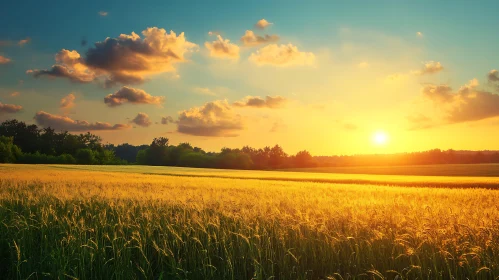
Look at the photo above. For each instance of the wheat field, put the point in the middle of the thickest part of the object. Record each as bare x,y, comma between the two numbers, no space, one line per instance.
81,223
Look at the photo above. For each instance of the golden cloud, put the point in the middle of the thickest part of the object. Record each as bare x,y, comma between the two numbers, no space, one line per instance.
67,124
142,119
430,67
250,39
9,108
222,48
258,102
467,104
133,96
215,118
167,120
67,102
127,59
282,56
262,24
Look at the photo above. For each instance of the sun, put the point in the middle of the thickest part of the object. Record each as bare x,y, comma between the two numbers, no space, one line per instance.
380,138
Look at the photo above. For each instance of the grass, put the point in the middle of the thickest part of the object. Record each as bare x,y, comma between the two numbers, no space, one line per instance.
74,222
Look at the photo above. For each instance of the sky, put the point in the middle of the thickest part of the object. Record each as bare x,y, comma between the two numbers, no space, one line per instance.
330,77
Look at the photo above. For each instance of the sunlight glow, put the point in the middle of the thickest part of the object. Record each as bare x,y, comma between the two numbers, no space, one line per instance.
380,138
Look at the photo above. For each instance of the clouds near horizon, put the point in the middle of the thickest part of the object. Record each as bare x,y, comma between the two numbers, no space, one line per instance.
465,105
9,108
64,123
258,102
133,96
214,119
142,119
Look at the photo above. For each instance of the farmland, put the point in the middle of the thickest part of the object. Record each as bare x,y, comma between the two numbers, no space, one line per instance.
131,222
473,170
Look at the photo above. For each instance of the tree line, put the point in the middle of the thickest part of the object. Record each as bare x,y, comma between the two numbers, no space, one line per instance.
27,143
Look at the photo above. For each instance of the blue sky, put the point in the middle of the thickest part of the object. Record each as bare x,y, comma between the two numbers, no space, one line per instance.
358,49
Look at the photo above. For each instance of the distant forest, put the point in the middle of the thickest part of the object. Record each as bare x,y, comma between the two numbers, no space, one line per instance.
25,143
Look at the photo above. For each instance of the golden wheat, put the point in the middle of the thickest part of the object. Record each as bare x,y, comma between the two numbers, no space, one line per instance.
87,224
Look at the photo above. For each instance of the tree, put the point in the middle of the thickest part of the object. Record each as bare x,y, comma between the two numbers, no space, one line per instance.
86,156
196,159
9,153
24,136
234,159
304,159
126,151
142,157
276,156
160,142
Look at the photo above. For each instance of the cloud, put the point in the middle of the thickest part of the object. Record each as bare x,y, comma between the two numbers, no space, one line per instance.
9,108
278,126
363,65
103,13
222,48
204,91
67,102
142,119
430,67
127,59
350,126
211,33
251,39
470,86
419,34
419,121
493,76
24,42
20,43
438,93
69,65
167,120
258,102
67,124
262,24
131,95
4,60
215,118
283,55
467,104
15,94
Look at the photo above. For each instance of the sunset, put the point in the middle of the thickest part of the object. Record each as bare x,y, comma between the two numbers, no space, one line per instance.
249,140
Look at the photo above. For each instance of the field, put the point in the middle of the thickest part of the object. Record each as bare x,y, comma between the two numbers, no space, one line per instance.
475,170
114,222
